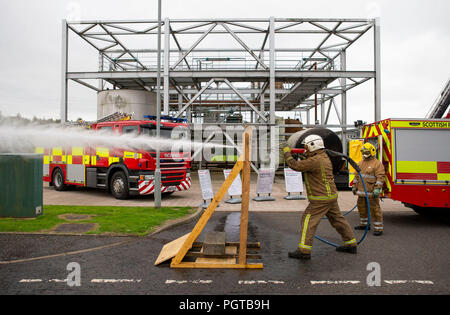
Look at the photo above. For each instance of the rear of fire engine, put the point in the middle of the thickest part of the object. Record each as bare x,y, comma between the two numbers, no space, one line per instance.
416,158
123,172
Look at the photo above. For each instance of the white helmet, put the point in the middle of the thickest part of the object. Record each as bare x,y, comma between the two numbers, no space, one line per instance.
313,143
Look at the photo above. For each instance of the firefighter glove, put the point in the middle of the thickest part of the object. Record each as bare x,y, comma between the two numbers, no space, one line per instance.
376,192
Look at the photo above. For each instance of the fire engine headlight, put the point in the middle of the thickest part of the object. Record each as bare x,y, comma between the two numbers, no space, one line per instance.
147,177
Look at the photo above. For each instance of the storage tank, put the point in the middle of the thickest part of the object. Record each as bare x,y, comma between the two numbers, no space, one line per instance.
330,139
136,102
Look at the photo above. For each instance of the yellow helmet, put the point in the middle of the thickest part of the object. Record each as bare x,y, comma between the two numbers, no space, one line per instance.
368,148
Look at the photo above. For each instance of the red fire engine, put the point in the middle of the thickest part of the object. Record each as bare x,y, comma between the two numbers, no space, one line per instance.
120,171
416,158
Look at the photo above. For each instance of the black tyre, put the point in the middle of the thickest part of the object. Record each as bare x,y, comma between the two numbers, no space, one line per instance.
58,180
119,185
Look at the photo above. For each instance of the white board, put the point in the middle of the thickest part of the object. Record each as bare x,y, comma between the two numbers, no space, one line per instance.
236,187
205,184
293,180
265,181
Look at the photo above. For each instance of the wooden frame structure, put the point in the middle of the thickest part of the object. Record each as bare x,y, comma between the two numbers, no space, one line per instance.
180,248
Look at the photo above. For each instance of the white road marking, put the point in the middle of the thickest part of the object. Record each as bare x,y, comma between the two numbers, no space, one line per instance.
260,282
57,280
409,281
336,282
116,280
188,281
30,280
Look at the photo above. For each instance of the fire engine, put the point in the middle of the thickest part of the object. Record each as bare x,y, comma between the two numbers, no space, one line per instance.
416,158
120,171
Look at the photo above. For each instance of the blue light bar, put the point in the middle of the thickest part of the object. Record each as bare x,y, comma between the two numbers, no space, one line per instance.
180,120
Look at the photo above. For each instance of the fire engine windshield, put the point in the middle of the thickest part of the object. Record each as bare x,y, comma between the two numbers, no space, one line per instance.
176,133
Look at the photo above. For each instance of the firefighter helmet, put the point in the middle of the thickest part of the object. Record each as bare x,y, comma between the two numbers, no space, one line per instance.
368,150
313,143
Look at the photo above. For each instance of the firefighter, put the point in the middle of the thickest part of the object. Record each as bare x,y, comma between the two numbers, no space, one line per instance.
372,172
322,196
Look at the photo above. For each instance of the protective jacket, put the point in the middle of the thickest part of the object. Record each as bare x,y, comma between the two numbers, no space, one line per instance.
318,174
322,194
373,173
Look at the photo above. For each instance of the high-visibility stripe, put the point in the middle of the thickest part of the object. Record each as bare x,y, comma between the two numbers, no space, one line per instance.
113,160
323,197
86,159
128,155
368,176
57,151
324,179
77,150
385,137
352,241
443,176
304,230
416,167
102,152
308,188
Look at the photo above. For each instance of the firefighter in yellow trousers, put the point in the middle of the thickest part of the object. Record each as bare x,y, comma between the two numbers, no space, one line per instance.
322,195
372,172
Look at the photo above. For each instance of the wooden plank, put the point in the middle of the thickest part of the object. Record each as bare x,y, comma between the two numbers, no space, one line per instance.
207,214
194,265
171,249
229,250
207,260
249,245
245,201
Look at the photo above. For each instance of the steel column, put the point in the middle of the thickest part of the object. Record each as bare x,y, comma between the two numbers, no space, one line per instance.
166,65
64,63
377,63
157,193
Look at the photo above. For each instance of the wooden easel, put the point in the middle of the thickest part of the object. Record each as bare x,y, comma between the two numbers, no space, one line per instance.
185,246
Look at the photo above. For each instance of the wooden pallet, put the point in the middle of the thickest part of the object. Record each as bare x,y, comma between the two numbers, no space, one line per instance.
236,254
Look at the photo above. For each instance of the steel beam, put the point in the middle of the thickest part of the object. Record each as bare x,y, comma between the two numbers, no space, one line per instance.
245,99
204,34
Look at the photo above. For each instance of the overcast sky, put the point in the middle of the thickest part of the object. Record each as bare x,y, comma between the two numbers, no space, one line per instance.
415,47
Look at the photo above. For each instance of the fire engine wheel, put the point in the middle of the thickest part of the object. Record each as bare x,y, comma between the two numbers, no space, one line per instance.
119,185
58,180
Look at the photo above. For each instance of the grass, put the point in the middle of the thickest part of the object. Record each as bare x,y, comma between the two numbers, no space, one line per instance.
111,220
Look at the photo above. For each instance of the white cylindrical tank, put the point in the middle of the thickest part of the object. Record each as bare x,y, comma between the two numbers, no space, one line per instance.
136,102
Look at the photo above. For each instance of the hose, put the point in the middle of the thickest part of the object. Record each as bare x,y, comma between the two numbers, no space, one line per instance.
356,167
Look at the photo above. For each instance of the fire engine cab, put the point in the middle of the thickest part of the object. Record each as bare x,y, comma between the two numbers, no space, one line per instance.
416,159
123,172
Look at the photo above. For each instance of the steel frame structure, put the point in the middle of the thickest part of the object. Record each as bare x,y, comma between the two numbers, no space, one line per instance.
272,77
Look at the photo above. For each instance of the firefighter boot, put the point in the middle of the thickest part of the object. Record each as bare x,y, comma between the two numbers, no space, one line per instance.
299,255
347,249
378,233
